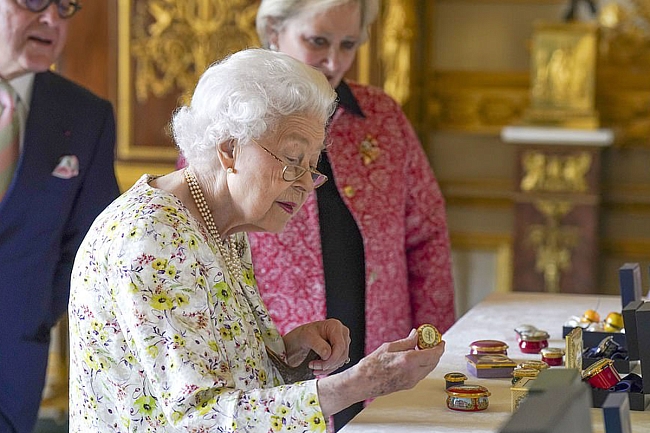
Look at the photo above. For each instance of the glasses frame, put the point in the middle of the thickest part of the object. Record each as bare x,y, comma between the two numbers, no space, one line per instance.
302,170
64,13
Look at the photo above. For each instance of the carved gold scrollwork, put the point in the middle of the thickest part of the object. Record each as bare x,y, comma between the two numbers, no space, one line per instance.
555,173
553,243
175,41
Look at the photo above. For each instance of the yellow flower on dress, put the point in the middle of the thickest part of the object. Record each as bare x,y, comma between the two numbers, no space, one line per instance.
161,419
222,291
170,271
135,232
145,404
316,423
159,264
179,340
161,301
225,333
249,276
262,375
152,350
204,406
192,242
182,300
276,423
90,360
282,410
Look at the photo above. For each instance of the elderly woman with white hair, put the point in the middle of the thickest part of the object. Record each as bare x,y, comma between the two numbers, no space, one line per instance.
168,330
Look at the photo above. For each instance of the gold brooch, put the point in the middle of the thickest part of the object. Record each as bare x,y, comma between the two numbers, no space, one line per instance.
369,149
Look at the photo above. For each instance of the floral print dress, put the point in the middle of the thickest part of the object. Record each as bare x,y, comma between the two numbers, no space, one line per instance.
162,339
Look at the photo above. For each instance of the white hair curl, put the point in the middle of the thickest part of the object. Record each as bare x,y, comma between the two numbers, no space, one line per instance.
243,96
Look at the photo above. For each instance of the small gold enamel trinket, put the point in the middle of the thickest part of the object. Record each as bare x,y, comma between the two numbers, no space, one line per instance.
428,336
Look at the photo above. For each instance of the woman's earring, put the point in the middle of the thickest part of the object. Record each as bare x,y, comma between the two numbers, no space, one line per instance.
230,170
273,47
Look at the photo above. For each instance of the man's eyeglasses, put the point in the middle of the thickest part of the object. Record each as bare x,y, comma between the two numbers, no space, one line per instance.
291,173
65,8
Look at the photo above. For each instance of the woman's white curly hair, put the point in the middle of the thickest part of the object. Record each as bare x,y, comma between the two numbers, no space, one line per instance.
243,96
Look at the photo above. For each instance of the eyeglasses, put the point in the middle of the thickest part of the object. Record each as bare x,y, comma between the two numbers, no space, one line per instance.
291,173
65,8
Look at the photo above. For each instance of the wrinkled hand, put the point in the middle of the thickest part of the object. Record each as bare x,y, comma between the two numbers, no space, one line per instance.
330,339
397,366
394,366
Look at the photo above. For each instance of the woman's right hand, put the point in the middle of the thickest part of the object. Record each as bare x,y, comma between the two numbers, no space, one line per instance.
394,366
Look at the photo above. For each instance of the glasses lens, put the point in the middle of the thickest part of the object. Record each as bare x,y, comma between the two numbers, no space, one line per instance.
318,178
293,172
34,5
67,8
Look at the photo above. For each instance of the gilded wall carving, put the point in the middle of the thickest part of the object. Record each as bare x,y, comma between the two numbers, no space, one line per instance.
485,101
398,29
175,41
163,48
553,242
555,173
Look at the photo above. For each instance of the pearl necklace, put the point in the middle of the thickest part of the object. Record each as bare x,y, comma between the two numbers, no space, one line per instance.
233,261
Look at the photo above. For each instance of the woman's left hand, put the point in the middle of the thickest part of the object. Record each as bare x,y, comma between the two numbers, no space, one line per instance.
330,339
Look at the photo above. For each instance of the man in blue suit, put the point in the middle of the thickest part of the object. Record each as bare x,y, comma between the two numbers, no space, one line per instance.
63,178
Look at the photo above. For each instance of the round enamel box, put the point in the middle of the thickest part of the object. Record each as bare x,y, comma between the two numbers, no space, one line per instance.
468,398
601,374
454,378
533,342
488,347
552,356
428,336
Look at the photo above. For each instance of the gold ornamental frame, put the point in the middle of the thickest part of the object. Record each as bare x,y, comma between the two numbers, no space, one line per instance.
163,47
126,148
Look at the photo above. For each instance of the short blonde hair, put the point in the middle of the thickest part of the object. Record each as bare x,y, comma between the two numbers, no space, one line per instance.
273,14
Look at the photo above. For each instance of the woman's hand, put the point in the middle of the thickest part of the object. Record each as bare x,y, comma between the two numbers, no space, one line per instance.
330,339
394,366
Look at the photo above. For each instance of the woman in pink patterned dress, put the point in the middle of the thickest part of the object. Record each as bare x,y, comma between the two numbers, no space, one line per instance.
370,247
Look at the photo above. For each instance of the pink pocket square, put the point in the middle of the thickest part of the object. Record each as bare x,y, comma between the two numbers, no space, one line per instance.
67,168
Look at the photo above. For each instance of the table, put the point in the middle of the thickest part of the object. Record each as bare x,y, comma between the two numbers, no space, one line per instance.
423,408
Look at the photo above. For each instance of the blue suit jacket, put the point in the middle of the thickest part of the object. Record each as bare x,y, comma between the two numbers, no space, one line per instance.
43,219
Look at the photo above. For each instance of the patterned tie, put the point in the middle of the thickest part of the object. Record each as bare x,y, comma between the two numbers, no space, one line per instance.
9,135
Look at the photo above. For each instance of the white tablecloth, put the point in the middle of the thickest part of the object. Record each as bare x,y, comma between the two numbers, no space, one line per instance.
423,408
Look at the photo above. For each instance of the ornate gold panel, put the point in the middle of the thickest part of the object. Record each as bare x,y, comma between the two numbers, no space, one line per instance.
555,173
486,101
553,242
476,102
163,47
